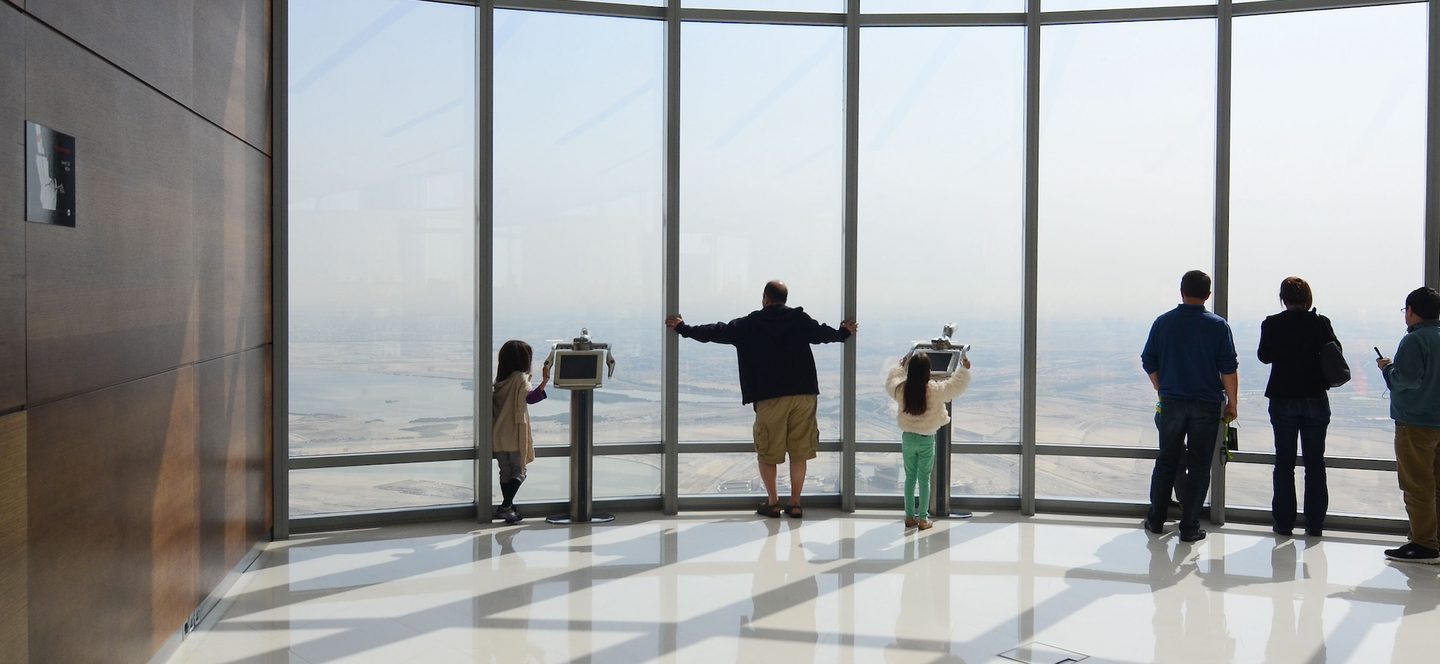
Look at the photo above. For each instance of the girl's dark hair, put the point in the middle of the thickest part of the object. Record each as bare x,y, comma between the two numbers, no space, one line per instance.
514,356
1294,290
917,377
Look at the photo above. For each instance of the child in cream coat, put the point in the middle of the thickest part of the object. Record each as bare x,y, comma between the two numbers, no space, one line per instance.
922,413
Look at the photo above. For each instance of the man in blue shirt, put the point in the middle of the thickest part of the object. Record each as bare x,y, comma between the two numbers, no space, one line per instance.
1190,357
1414,382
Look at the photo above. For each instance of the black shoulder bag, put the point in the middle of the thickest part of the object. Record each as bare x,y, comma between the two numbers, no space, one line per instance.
1333,368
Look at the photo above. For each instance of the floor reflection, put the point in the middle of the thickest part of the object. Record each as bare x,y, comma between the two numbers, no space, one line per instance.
834,587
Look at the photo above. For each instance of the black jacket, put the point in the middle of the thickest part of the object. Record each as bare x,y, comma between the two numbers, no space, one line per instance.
1291,341
773,347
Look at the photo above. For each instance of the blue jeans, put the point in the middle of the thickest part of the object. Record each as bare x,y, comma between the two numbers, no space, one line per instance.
1188,430
1306,419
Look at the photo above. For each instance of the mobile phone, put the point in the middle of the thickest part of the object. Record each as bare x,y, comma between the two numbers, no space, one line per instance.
1377,352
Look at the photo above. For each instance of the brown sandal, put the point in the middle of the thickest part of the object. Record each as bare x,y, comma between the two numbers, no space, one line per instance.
794,512
771,510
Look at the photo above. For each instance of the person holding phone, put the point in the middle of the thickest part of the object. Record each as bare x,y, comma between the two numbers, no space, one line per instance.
1414,381
1290,343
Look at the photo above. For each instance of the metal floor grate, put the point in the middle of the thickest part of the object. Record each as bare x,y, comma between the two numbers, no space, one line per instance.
1040,653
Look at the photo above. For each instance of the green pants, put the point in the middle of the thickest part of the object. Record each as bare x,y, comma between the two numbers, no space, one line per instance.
919,454
1417,456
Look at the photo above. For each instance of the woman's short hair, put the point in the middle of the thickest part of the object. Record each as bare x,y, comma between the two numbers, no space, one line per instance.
1294,290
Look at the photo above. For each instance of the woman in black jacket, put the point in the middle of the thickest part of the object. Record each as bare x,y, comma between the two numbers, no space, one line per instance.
1290,341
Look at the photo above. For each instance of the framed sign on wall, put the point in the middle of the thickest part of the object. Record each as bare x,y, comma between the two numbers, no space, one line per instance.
49,176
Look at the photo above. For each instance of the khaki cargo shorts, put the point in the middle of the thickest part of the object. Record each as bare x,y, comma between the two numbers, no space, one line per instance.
786,425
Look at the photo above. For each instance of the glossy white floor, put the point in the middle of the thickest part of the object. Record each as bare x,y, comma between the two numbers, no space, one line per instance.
723,587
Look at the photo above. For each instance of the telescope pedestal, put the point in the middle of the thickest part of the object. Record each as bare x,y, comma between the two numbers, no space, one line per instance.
940,490
582,472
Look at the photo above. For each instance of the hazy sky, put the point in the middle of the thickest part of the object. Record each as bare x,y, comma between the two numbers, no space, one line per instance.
1327,168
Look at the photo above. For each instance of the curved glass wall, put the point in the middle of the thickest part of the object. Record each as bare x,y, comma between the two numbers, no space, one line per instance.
578,177
1329,185
941,195
940,6
1327,145
760,158
381,249
768,5
1127,162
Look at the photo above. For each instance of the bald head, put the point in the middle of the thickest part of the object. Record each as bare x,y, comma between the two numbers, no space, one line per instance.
775,293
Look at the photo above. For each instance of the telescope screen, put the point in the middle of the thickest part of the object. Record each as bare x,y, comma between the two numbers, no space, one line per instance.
577,367
940,361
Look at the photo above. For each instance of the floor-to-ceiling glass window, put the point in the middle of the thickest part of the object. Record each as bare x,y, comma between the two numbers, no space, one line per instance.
1328,184
381,249
1127,136
760,199
941,191
578,174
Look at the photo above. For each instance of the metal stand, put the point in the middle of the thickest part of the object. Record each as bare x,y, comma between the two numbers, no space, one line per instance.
582,475
940,490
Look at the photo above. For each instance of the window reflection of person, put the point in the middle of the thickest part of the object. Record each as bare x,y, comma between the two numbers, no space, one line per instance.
1407,608
1188,624
513,646
1415,636
777,586
1290,639
923,621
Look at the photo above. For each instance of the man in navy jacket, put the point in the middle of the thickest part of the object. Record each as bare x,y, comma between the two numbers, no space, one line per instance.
1190,357
777,375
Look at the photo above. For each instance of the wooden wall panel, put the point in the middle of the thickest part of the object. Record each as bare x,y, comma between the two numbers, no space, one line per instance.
232,234
12,209
113,299
113,520
144,328
210,55
234,419
152,39
232,67
14,585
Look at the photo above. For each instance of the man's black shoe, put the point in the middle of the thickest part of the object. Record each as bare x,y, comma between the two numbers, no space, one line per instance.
1285,532
1414,553
1156,530
1193,537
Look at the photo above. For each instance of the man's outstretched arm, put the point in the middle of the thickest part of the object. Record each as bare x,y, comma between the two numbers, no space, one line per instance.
720,333
821,333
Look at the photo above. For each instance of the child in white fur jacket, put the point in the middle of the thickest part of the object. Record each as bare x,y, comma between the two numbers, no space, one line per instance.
922,413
